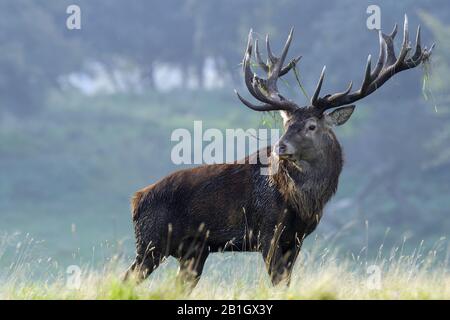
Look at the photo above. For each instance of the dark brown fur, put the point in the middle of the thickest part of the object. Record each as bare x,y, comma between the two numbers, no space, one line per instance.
211,208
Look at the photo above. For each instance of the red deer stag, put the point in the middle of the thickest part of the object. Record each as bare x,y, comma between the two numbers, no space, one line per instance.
211,208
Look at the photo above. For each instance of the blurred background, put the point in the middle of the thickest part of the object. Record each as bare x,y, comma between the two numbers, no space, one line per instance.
86,115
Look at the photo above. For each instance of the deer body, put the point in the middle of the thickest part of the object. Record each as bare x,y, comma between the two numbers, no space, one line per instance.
231,207
194,212
224,207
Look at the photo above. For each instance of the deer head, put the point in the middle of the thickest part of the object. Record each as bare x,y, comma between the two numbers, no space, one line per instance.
308,129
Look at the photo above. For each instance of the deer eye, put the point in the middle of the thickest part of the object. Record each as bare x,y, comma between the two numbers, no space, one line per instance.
312,127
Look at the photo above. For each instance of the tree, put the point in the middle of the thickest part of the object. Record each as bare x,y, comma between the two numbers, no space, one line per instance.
34,52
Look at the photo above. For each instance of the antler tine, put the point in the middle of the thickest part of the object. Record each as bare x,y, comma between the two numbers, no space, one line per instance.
289,66
431,48
342,94
270,56
315,98
387,66
249,75
418,50
405,44
248,50
390,53
259,59
279,64
389,45
381,57
394,31
264,107
367,75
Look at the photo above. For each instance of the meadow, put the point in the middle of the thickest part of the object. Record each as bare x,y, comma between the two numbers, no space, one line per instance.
78,162
320,273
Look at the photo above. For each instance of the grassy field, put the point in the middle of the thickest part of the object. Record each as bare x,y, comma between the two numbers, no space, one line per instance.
318,274
79,161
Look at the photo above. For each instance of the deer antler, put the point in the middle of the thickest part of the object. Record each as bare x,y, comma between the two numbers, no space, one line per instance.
266,90
387,66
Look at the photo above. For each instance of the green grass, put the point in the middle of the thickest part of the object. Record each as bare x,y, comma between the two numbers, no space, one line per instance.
318,274
329,282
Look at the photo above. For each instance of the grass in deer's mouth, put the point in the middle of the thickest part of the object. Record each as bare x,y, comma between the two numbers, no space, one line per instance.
318,275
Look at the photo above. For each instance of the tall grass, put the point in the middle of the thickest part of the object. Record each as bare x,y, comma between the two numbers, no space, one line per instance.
320,273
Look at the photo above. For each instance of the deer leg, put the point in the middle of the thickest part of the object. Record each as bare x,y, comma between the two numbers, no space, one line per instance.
130,271
191,268
280,261
280,266
288,260
275,267
141,268
272,256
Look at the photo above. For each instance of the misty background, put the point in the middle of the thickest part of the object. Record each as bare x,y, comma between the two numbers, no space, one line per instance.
86,115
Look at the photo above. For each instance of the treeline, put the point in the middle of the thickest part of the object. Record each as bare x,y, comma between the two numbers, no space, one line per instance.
36,48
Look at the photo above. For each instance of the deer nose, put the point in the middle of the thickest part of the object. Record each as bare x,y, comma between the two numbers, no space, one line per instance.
280,148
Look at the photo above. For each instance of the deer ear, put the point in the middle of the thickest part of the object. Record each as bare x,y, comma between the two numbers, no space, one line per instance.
339,116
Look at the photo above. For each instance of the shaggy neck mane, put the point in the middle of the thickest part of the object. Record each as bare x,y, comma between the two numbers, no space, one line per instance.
308,186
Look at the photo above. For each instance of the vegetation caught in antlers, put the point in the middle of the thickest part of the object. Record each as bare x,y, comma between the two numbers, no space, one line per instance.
387,66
